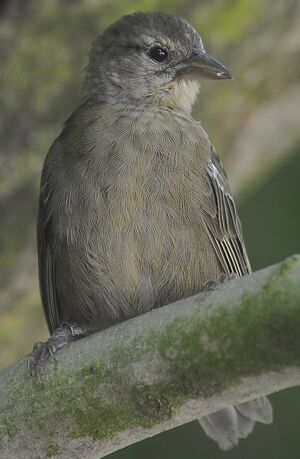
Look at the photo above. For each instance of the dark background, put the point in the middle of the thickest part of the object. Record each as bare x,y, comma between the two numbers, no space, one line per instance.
253,121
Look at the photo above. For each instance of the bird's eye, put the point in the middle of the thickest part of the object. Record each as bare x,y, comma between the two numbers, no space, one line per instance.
158,54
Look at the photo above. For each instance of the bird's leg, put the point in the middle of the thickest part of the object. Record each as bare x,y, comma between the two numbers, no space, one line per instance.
212,284
38,360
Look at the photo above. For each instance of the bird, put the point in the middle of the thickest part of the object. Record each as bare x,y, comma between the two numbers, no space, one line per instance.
135,209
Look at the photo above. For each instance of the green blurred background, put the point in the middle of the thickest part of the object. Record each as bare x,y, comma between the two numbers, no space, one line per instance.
253,121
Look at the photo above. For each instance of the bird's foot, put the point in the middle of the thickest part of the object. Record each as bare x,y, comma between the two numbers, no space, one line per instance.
38,361
212,284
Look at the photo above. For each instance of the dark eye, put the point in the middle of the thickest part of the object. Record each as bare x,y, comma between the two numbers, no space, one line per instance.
158,54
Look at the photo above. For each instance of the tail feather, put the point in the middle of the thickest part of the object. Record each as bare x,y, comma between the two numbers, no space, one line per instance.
227,426
222,427
245,426
259,410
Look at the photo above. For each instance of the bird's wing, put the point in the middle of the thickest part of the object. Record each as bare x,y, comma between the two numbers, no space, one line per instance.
222,222
47,271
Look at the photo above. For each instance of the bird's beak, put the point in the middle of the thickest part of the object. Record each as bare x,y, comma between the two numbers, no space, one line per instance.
201,66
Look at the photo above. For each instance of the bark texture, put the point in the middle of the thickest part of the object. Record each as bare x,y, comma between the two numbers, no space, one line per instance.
158,370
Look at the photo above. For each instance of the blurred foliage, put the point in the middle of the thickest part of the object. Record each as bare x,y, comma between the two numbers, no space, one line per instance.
253,121
271,215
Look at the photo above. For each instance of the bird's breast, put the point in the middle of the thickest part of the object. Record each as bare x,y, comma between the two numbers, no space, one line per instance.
152,242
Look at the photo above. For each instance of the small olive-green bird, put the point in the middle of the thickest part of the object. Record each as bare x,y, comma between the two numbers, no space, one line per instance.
135,209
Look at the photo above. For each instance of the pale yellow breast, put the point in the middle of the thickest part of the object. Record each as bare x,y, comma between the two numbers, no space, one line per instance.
153,223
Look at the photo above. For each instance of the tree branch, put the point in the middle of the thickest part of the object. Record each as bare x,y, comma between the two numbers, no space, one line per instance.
159,370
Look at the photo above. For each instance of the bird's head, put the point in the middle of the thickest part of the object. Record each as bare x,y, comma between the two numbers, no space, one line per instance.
150,55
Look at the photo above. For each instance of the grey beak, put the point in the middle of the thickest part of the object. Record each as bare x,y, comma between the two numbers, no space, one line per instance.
201,66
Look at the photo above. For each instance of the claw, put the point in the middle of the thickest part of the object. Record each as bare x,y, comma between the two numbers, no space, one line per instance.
51,349
39,360
222,278
29,365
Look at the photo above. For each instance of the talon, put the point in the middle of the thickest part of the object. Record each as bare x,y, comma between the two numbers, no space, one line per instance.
76,331
222,278
38,375
29,365
39,360
51,349
37,346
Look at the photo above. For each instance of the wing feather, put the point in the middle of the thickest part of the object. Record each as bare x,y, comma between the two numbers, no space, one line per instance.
47,276
222,222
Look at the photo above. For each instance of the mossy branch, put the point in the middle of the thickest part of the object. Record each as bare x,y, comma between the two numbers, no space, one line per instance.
159,370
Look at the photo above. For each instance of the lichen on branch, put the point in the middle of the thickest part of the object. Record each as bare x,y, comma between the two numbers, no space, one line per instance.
159,370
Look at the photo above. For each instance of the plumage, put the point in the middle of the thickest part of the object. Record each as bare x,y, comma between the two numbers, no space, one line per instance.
157,234
135,208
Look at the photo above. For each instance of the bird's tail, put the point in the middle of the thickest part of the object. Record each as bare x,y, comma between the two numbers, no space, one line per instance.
227,426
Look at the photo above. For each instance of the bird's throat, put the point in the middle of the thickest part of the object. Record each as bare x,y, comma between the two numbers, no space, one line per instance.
180,94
